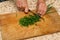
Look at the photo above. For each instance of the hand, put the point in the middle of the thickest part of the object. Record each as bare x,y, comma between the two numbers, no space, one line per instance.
22,4
41,7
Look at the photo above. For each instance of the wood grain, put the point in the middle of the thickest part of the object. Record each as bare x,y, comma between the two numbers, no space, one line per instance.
11,30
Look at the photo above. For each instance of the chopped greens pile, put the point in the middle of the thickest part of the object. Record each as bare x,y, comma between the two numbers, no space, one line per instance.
31,19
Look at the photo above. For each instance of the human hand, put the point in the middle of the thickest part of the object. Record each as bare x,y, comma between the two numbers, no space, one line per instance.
22,4
41,7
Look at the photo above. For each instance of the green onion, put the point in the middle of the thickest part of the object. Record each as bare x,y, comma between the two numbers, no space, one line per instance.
49,8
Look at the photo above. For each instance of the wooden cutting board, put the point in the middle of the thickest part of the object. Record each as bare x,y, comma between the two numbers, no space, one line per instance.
11,30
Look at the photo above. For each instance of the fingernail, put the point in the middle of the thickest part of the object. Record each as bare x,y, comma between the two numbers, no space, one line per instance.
26,9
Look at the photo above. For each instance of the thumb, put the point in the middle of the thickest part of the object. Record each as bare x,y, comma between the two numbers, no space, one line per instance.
26,9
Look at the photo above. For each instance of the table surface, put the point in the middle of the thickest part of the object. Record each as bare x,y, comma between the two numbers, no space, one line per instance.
11,7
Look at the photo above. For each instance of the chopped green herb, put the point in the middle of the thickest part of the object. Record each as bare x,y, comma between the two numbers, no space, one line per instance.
29,20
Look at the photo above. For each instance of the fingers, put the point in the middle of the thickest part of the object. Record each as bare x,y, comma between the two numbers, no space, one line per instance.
22,4
42,11
26,9
18,3
42,8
